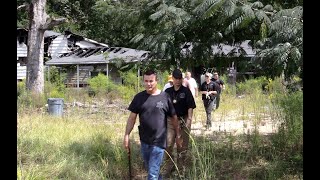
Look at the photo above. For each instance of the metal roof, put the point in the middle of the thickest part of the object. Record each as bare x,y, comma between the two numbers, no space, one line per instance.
49,33
99,55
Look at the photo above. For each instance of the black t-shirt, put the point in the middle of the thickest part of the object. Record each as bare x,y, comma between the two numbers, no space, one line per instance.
212,86
153,111
182,100
219,82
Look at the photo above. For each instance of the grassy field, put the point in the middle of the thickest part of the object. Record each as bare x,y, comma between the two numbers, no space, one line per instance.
86,143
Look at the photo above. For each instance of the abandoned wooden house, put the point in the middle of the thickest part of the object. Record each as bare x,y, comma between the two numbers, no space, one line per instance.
84,63
22,51
55,44
80,57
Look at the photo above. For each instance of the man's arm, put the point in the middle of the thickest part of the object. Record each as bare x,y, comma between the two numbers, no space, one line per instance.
222,84
176,127
189,119
196,90
195,87
130,124
185,82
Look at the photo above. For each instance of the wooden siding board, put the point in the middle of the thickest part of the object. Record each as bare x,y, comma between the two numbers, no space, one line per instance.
22,50
21,72
71,79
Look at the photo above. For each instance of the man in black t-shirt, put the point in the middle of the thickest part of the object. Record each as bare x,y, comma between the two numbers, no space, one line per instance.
221,86
209,90
184,104
153,107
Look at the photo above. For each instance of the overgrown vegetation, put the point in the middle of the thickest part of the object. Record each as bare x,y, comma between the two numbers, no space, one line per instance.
100,84
86,143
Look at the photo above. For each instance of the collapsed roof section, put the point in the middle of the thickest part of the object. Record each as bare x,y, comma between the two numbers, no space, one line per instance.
99,55
68,42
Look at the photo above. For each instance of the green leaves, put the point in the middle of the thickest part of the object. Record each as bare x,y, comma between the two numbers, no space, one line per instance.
137,38
263,30
208,8
164,26
160,13
257,5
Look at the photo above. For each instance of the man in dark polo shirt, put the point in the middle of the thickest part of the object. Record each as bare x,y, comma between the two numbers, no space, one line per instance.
220,87
154,108
184,104
208,89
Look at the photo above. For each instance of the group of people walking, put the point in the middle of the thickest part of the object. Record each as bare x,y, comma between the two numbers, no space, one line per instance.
166,116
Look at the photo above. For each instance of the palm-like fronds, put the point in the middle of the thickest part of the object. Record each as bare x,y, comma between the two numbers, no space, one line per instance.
168,16
285,29
263,17
137,38
179,13
163,34
234,24
268,8
229,7
296,13
161,10
287,25
208,7
283,47
257,5
247,15
154,2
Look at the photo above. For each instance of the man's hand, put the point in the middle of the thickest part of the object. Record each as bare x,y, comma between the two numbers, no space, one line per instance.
188,123
207,95
126,142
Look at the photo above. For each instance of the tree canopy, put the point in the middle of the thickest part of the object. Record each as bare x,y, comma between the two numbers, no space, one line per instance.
165,27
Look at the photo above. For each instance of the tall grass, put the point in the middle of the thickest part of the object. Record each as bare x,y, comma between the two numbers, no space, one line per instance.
69,148
86,143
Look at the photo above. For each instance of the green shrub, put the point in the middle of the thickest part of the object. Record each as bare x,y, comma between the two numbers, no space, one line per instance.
126,93
28,101
250,86
54,90
289,140
55,76
230,90
21,87
291,129
130,78
163,79
100,84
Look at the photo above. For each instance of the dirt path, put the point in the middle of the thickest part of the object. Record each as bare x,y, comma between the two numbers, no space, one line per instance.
231,122
234,125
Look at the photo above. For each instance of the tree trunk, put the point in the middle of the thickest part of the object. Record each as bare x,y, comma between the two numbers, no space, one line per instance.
35,75
39,22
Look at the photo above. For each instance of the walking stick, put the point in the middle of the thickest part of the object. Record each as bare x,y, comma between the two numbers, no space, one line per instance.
129,162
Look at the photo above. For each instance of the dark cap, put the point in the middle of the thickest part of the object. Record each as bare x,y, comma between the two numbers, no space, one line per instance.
177,74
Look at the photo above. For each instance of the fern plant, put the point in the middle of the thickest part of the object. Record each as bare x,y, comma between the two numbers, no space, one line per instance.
283,48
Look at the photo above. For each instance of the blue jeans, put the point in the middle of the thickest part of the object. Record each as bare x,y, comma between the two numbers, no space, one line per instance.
152,157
